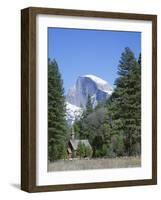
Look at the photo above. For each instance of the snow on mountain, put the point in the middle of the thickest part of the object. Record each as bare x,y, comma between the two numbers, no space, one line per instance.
88,85
101,84
72,112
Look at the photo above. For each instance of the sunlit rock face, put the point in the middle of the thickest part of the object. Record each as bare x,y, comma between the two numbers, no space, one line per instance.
89,85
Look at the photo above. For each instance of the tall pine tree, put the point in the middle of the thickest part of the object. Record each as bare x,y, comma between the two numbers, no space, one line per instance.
114,128
56,114
126,102
89,106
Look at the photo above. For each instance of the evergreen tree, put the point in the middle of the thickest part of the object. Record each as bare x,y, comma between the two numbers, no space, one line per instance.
126,101
88,152
114,128
81,126
81,150
107,129
57,132
89,106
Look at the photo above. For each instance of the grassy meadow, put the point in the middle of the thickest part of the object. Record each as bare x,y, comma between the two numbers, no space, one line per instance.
99,163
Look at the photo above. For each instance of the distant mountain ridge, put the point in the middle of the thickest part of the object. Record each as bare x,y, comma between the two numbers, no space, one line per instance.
88,85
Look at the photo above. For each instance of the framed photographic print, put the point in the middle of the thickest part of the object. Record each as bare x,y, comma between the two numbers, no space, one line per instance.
89,99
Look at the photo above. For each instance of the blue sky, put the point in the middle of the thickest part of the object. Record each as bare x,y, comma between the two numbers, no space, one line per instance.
79,52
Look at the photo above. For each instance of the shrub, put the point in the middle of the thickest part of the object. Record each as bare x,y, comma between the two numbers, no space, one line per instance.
88,151
81,150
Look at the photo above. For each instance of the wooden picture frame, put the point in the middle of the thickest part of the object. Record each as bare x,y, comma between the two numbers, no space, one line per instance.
28,98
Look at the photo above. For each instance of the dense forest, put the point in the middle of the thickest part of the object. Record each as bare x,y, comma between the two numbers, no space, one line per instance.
113,128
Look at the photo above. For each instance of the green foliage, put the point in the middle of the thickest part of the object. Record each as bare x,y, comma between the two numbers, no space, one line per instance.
57,127
117,142
89,107
81,150
81,127
104,150
88,152
114,128
84,150
125,102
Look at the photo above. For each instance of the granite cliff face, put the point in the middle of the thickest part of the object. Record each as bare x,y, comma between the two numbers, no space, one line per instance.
89,85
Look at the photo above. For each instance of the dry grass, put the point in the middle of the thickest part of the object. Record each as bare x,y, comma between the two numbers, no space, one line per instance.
103,163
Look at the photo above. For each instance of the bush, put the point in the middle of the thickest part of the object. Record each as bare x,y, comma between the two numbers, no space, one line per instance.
88,152
136,149
81,150
118,144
